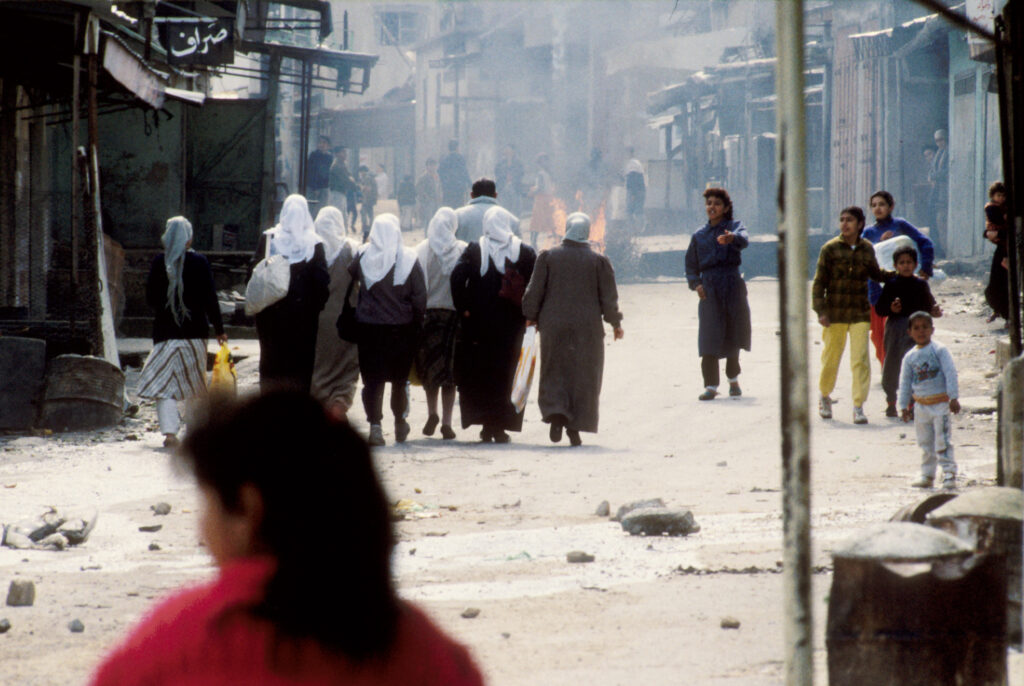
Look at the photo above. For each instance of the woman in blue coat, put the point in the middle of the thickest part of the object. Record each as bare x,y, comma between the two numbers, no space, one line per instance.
713,271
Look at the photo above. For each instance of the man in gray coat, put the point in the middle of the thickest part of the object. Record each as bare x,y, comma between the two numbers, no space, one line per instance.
571,290
483,197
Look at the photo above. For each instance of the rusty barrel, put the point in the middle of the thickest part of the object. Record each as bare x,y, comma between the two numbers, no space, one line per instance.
22,369
990,520
911,605
82,393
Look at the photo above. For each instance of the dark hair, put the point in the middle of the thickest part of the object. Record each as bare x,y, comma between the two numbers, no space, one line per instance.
722,195
326,139
855,212
997,187
904,250
484,187
920,314
317,482
884,195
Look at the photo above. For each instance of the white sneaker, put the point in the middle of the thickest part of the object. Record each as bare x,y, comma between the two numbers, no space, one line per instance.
825,407
923,482
949,482
859,416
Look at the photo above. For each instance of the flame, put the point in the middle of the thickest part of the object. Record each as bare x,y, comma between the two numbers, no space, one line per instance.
597,230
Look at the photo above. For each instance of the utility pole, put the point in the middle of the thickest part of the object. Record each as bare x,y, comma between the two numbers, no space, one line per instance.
791,168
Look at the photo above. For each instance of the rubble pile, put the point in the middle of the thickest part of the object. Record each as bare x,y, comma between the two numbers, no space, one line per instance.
51,530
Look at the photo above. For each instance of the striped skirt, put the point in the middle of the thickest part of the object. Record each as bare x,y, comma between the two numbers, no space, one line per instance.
175,369
435,358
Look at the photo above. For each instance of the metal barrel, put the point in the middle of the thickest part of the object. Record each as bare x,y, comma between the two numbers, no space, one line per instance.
82,393
911,605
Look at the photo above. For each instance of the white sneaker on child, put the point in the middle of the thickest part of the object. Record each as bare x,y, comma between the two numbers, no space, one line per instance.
923,482
858,416
825,407
949,482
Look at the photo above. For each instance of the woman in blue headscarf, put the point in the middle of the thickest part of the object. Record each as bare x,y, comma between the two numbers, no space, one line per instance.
180,289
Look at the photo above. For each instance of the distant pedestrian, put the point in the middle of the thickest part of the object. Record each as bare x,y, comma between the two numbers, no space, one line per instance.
542,218
887,226
454,176
428,192
997,226
435,357
318,169
928,394
269,471
180,289
713,270
483,196
340,183
383,183
336,370
636,191
508,180
392,302
406,197
572,288
287,330
902,296
839,297
368,192
938,177
487,289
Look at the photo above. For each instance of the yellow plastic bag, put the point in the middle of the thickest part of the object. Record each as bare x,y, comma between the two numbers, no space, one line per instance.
223,380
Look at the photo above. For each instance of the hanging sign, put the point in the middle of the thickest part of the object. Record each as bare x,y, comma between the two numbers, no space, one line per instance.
197,40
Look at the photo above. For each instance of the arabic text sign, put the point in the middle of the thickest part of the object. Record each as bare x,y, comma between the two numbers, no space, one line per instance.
198,40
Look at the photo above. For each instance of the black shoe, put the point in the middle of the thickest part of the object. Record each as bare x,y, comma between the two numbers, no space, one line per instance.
556,432
734,390
431,425
486,435
447,433
171,441
501,437
890,410
401,430
574,437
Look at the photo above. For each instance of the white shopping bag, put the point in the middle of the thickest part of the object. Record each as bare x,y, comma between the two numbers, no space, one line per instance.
885,249
525,368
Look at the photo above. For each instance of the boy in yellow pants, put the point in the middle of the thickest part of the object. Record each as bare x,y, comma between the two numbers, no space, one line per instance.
840,299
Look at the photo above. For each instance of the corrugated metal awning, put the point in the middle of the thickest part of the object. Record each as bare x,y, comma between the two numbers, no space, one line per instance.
132,73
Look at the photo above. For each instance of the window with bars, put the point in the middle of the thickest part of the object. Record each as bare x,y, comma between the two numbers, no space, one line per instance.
402,27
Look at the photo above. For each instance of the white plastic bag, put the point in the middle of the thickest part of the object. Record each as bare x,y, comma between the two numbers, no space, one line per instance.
885,249
269,282
525,368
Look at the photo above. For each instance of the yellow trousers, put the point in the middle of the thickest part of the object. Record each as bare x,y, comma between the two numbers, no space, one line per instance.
834,338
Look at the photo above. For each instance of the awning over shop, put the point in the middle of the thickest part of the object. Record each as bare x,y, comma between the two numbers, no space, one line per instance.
352,68
900,40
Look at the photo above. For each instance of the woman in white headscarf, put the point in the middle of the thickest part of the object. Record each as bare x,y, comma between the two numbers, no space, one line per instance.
288,329
572,289
435,358
392,301
336,369
180,288
487,290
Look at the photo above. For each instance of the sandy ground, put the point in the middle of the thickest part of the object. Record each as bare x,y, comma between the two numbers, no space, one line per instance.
498,520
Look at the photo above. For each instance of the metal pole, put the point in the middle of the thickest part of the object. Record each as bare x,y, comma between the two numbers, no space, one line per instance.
791,168
1005,68
76,206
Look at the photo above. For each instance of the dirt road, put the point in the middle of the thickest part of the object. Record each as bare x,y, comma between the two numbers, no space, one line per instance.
498,520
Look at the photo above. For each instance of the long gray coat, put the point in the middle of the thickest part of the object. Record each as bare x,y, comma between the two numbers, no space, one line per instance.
572,288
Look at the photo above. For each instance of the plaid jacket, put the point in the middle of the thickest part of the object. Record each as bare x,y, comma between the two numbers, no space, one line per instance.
840,289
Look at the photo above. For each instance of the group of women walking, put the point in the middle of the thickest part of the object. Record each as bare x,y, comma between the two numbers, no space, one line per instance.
449,315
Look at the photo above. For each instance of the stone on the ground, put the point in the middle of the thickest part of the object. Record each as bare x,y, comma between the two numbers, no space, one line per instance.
657,521
471,613
18,541
161,508
77,527
730,623
75,626
636,505
578,556
5,625
21,593
53,542
151,528
154,546
603,509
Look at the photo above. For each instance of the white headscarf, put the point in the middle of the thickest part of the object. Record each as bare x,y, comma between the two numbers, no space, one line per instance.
441,241
384,251
498,242
294,236
330,226
176,238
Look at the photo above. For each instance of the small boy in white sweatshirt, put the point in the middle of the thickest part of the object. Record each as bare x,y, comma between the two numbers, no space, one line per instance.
928,375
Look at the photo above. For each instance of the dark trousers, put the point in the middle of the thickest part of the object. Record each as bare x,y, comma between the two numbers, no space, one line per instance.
709,368
897,343
373,400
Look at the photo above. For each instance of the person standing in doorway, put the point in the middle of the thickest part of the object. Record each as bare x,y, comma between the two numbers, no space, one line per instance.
997,228
839,297
318,169
428,192
713,270
938,176
636,191
368,190
454,175
180,288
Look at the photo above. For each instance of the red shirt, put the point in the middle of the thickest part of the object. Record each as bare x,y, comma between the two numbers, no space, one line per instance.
199,638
